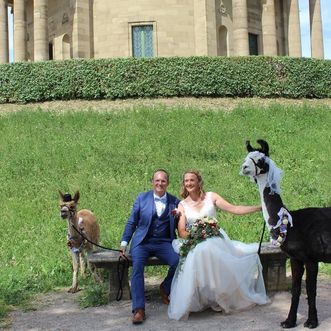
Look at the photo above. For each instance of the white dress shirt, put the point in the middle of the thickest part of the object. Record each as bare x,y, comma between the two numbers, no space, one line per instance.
160,203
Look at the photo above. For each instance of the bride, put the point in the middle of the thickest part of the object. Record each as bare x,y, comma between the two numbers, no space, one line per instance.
218,273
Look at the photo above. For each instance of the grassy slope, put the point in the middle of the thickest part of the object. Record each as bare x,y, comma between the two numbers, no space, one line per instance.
109,157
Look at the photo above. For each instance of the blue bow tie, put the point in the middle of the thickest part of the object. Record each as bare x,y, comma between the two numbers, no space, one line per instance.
163,199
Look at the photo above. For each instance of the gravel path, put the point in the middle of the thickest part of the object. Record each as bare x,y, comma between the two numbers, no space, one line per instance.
60,311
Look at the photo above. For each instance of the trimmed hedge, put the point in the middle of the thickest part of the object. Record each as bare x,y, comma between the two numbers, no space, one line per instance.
165,77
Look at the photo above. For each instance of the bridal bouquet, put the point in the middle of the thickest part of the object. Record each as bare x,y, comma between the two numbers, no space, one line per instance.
200,230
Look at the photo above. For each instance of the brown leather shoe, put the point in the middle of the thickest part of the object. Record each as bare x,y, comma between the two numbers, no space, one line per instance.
164,296
138,316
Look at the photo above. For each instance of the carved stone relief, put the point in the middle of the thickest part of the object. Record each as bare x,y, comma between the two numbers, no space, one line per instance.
222,8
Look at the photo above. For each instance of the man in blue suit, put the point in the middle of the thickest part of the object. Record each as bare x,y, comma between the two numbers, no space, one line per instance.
152,225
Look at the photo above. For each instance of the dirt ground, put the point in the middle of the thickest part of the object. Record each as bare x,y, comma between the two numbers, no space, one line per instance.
60,311
215,104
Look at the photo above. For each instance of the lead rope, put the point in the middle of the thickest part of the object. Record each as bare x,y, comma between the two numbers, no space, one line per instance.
123,262
260,244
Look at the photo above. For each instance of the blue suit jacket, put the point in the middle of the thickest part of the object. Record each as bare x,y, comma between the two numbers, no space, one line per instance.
141,216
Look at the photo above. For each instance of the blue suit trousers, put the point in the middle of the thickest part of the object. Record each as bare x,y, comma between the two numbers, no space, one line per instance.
140,254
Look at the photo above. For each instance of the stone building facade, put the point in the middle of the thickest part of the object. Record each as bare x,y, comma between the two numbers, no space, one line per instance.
63,29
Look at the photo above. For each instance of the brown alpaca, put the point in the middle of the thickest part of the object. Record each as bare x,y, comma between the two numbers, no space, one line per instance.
84,221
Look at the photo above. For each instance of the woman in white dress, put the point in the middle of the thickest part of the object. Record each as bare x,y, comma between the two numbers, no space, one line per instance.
218,273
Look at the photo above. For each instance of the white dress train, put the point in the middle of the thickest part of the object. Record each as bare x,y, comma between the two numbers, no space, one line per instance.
218,273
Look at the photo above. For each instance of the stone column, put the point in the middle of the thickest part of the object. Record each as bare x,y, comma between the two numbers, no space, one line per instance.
205,27
316,33
240,27
81,31
294,36
19,31
269,28
4,46
40,15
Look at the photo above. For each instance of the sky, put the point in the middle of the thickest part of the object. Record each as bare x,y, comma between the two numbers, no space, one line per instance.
304,24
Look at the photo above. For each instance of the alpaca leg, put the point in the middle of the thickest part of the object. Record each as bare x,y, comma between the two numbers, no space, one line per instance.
82,263
94,270
297,270
95,273
311,280
74,286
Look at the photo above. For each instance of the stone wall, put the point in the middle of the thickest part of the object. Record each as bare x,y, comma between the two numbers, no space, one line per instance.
173,22
103,28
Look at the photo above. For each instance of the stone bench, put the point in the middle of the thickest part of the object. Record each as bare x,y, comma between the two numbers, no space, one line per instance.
272,258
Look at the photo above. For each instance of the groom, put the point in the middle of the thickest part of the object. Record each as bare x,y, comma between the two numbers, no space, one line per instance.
153,225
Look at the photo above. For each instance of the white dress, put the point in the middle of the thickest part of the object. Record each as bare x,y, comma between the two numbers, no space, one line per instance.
218,273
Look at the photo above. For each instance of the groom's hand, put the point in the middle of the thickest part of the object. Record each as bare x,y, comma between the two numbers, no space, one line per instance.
122,251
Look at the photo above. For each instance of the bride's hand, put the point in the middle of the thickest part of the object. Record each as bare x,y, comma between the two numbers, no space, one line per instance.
185,234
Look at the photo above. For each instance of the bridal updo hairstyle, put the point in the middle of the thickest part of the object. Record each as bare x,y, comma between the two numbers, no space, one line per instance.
184,192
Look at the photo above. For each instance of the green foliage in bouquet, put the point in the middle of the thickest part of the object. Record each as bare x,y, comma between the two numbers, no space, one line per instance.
200,230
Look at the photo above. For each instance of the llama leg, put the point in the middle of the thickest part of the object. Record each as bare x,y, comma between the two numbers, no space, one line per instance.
311,280
297,270
74,286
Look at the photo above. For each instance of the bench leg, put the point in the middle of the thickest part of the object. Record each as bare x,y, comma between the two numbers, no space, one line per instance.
274,273
114,283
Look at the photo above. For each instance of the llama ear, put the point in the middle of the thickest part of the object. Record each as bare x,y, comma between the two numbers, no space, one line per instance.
77,196
249,147
264,147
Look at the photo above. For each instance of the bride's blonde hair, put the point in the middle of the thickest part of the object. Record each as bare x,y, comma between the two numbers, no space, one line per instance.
183,191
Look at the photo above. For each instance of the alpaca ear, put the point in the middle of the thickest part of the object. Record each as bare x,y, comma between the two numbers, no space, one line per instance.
264,147
249,147
61,195
77,196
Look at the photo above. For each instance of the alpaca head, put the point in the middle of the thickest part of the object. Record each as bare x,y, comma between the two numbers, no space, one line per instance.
68,205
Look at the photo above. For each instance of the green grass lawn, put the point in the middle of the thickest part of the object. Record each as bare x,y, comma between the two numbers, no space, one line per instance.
109,157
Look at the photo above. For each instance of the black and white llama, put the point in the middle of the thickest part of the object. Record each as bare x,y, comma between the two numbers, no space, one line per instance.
304,234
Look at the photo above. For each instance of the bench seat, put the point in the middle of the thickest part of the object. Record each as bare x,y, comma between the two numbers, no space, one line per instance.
272,258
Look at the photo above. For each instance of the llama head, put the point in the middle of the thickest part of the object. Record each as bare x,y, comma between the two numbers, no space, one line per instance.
255,163
68,205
